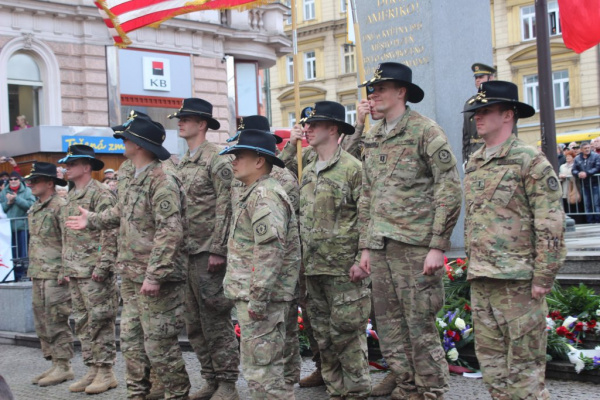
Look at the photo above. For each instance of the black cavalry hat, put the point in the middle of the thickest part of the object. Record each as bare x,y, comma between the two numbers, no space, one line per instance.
44,170
391,71
198,107
499,92
82,151
256,140
482,69
144,132
254,122
330,111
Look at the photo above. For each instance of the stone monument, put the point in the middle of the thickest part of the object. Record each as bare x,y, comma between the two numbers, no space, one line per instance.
439,40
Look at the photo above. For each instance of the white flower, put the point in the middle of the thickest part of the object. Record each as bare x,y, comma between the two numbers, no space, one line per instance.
575,358
568,321
441,323
460,323
467,333
550,322
598,312
452,354
458,272
579,365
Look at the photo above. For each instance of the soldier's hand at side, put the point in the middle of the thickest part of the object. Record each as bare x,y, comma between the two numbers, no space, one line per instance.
365,261
295,134
78,222
97,278
362,111
149,288
256,317
433,261
538,292
216,262
357,274
63,280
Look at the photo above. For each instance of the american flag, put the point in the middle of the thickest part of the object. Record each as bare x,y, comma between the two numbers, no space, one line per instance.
124,16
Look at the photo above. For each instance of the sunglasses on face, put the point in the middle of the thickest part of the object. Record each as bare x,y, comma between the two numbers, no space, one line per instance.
14,179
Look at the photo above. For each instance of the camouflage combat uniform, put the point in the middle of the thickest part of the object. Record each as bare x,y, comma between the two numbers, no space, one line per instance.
262,274
410,202
339,309
471,142
51,301
149,214
514,238
206,177
85,252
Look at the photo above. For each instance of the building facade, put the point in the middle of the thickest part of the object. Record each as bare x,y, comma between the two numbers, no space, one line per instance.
576,77
326,62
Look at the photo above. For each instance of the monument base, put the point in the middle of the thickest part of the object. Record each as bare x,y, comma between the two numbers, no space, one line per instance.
15,307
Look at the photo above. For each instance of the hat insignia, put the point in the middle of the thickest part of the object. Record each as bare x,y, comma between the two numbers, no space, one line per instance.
477,68
479,98
312,112
132,116
241,125
307,112
377,74
33,168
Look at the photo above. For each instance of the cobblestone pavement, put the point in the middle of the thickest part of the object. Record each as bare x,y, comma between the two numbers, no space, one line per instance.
19,364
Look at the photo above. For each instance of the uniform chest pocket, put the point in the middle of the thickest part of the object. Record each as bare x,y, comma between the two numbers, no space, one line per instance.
406,165
36,223
134,199
328,199
200,184
503,187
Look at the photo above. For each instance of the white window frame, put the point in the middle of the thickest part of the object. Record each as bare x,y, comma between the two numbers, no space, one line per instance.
561,90
309,10
288,20
344,6
528,19
531,90
348,59
289,68
310,65
554,17
291,119
350,113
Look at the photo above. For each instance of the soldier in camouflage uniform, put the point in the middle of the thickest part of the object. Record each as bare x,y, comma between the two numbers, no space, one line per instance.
410,202
263,265
206,178
89,258
514,237
50,295
339,301
151,259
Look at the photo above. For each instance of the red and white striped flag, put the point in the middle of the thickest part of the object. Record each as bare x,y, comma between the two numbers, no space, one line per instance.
123,16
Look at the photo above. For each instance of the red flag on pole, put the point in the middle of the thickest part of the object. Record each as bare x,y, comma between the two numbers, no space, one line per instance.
580,21
123,16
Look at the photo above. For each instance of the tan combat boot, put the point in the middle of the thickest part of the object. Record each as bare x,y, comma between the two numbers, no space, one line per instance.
313,380
385,387
85,381
104,380
226,391
157,388
402,394
44,374
62,372
209,388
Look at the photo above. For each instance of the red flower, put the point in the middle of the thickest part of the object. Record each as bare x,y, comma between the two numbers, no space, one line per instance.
460,262
562,331
591,325
445,260
238,331
467,307
449,272
300,320
301,327
453,335
579,327
555,315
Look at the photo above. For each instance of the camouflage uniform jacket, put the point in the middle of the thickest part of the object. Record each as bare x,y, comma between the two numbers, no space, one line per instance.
150,215
411,190
471,142
206,177
514,226
329,215
89,251
263,262
45,242
352,144
286,179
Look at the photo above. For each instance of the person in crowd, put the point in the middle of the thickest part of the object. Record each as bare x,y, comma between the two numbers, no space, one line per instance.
62,191
60,172
16,199
109,173
560,155
566,176
409,204
471,141
585,167
89,263
575,147
206,178
514,238
151,259
4,180
112,185
595,144
339,298
50,291
263,264
12,163
21,123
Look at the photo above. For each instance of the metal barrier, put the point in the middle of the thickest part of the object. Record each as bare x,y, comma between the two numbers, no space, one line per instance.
19,244
588,208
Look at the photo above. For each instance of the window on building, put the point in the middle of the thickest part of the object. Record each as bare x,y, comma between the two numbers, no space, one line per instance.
560,83
528,26
310,65
344,5
348,55
350,113
25,88
289,18
309,9
289,67
291,119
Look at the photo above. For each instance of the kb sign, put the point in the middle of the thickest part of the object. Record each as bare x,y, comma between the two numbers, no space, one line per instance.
156,74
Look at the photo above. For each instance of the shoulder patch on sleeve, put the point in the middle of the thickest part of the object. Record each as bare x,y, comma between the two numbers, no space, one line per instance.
437,143
225,173
263,230
552,183
443,158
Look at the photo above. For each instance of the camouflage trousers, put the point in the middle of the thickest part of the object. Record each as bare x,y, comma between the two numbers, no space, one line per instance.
51,309
510,338
149,330
95,307
308,330
270,358
406,303
339,310
208,321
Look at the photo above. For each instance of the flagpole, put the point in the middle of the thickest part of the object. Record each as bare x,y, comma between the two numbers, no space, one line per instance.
359,52
296,85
